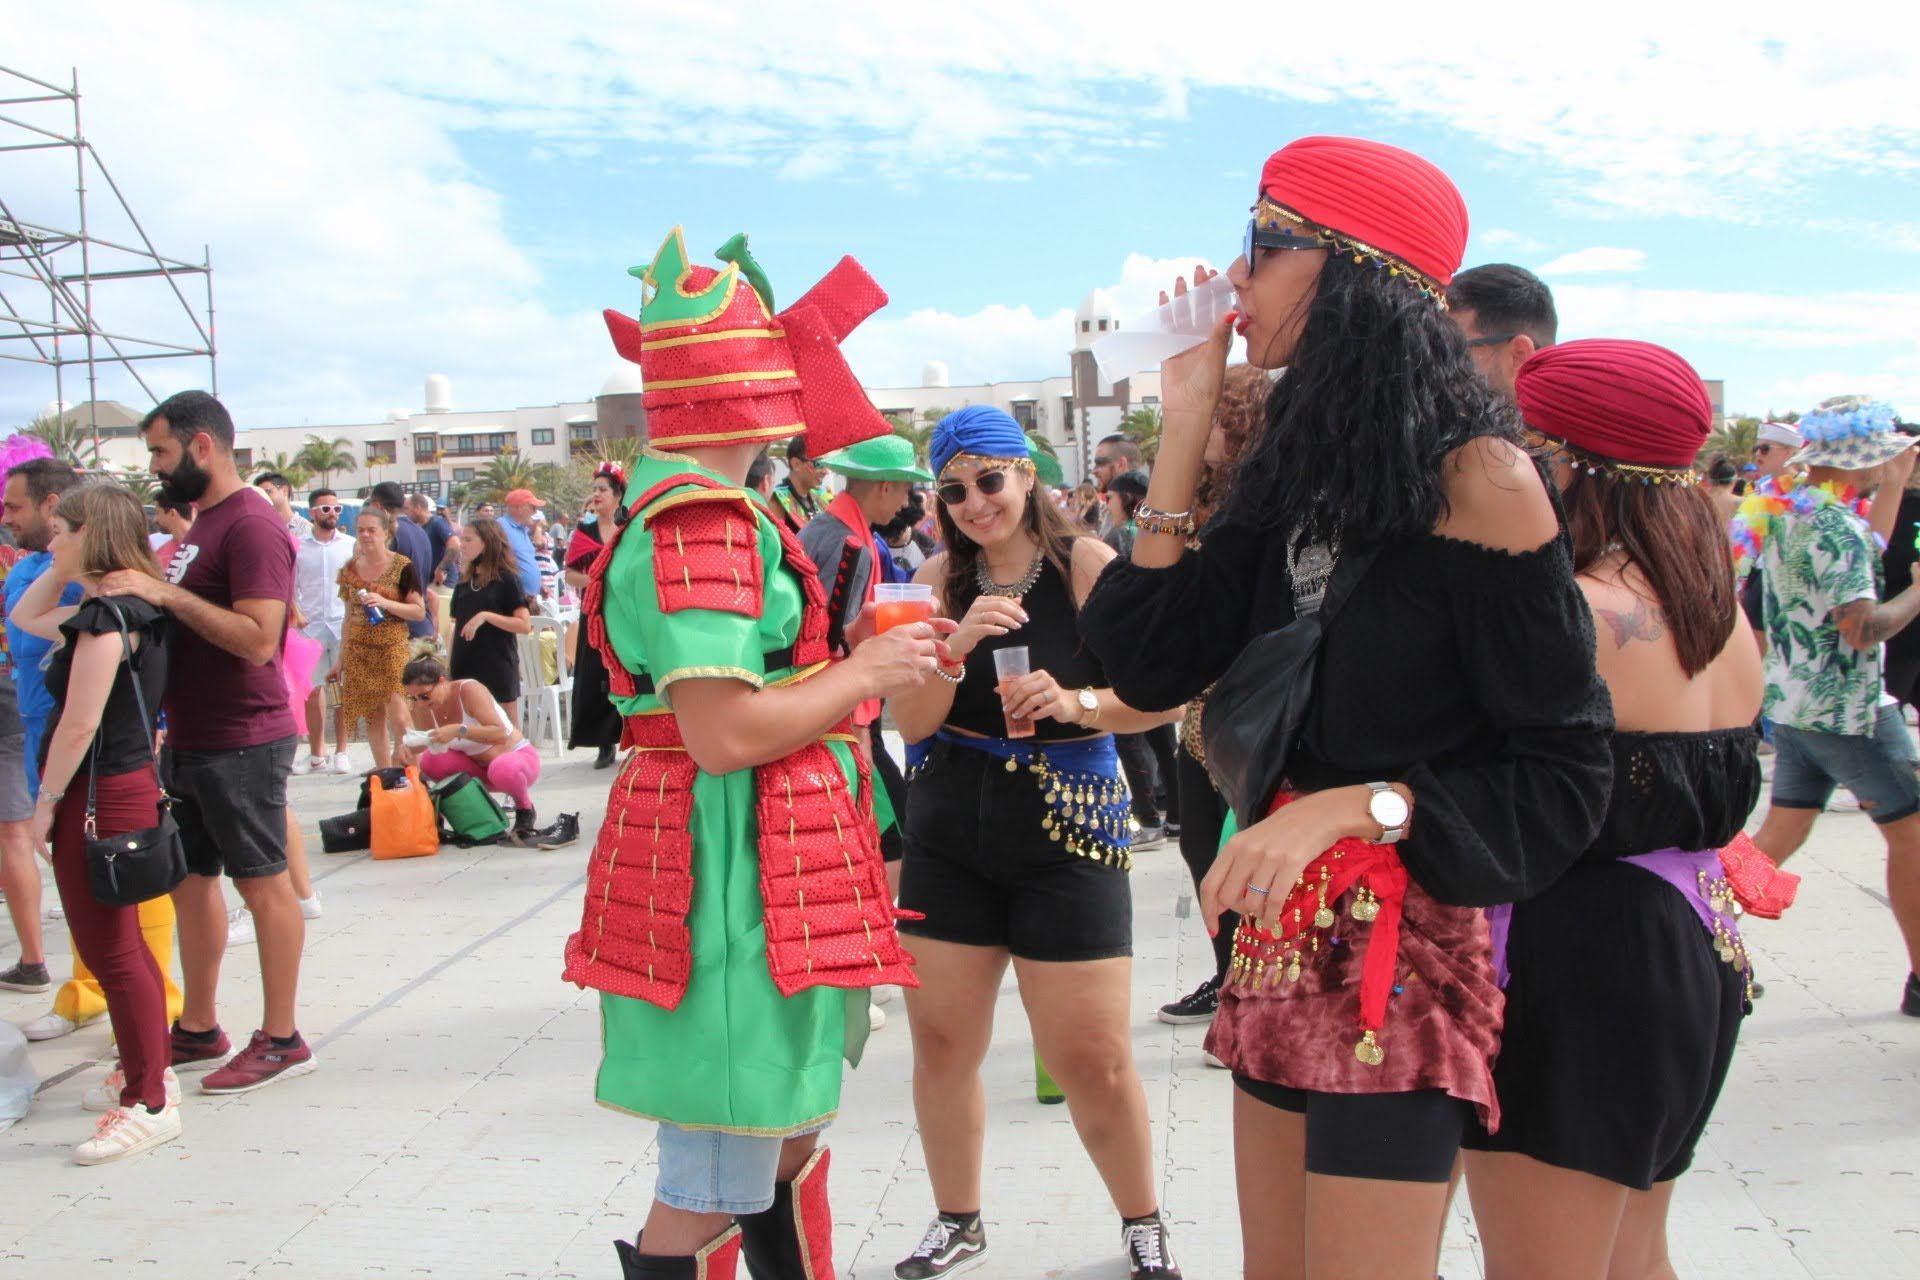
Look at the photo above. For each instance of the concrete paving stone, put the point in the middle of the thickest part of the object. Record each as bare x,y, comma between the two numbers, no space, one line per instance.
450,1130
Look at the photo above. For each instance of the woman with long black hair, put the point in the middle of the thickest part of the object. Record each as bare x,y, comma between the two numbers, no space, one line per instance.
595,722
1454,750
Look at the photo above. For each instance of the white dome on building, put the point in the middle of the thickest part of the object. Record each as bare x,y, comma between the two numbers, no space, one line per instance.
934,374
439,393
397,415
1094,319
623,381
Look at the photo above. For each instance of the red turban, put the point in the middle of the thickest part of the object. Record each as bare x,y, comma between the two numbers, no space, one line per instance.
1628,401
1381,197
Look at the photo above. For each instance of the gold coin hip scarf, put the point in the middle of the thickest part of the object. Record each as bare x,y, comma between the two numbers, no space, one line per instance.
1088,807
1377,881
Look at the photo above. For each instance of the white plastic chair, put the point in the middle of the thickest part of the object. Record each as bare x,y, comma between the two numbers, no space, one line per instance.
545,707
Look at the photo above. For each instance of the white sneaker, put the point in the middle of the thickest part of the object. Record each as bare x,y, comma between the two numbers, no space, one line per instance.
126,1131
310,907
876,1017
105,1096
55,911
49,1026
342,765
239,927
303,765
885,994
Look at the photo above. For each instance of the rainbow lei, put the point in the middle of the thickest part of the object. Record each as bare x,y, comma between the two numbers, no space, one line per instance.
1775,496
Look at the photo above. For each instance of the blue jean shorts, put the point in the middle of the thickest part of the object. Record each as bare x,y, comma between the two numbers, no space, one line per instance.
706,1171
1879,770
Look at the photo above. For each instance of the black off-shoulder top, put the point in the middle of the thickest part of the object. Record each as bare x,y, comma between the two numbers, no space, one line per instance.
1465,672
1678,791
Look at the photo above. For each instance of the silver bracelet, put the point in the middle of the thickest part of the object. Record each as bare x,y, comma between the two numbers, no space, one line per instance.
940,669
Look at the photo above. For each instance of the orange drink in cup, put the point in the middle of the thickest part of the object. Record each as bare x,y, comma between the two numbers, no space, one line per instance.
1009,665
901,603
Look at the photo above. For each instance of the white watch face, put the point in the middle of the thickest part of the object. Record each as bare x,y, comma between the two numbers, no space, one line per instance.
1089,700
1389,809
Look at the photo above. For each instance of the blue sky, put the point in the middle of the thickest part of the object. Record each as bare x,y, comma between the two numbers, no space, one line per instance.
390,191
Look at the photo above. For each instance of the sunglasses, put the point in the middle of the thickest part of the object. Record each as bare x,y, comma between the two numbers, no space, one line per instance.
328,511
1492,340
1258,238
954,492
1762,450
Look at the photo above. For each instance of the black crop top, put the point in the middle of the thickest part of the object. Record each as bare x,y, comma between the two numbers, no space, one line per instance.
1678,791
1463,671
1052,638
122,742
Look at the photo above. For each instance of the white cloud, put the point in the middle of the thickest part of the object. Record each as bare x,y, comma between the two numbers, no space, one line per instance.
1499,239
1594,261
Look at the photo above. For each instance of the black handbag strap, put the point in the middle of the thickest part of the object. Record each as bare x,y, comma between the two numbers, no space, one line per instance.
1347,572
146,724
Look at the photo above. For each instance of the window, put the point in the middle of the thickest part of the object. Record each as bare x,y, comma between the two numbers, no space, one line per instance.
1023,414
501,441
1152,402
464,445
543,435
381,453
581,437
425,446
463,475
426,475
242,459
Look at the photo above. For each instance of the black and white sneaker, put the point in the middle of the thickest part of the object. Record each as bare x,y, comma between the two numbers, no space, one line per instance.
950,1247
562,833
1149,1255
1199,1006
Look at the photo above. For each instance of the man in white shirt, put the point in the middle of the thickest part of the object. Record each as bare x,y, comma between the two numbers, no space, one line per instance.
279,491
324,552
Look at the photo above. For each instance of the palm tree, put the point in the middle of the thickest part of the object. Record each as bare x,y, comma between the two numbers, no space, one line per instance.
137,480
920,437
324,457
1735,438
1143,425
623,451
71,440
514,470
1037,443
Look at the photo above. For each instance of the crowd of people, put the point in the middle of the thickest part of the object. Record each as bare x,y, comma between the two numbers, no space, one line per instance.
1431,638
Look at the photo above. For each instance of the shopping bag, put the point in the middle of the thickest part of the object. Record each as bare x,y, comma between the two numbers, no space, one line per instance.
468,811
404,824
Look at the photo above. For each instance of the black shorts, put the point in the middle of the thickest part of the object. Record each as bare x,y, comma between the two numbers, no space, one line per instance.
887,774
984,872
1393,1137
1620,1027
232,808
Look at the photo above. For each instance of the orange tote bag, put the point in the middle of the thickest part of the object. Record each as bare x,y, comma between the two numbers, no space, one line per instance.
404,823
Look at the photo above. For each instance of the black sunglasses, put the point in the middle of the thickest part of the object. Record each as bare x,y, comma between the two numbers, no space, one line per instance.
1258,238
954,492
1492,339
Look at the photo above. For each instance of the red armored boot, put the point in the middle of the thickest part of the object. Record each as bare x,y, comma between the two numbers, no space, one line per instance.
718,1260
794,1239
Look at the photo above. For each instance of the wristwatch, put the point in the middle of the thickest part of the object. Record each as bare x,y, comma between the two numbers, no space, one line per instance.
1390,809
1089,703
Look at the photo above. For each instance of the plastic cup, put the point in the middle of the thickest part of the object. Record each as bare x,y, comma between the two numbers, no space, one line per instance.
1009,665
901,603
1181,324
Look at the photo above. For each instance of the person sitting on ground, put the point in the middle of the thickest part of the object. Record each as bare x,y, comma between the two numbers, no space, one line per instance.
470,733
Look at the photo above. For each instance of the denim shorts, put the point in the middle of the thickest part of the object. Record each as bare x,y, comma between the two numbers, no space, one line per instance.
16,801
707,1171
232,808
1879,770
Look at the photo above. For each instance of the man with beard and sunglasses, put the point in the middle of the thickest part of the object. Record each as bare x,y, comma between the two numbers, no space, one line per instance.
324,552
231,736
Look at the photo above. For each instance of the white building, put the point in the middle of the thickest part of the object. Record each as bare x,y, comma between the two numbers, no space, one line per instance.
438,446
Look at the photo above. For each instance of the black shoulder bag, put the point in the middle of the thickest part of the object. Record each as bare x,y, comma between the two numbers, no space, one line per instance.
126,870
1258,710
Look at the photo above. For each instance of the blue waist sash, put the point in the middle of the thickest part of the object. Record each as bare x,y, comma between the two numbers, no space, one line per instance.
1087,802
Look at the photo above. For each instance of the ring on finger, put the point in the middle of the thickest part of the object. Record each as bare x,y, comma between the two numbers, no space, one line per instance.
1254,888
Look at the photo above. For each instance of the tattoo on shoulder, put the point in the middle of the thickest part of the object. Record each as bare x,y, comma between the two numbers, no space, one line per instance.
1642,622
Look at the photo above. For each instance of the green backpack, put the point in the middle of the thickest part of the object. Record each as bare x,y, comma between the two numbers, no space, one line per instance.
468,812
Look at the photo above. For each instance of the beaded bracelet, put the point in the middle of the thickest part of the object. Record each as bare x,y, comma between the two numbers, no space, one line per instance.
1153,520
940,670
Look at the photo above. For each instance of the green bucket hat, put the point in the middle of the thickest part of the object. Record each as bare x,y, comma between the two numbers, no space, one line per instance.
888,457
1047,467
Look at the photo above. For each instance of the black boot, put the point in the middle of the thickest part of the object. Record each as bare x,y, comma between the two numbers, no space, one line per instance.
794,1239
523,828
605,759
717,1261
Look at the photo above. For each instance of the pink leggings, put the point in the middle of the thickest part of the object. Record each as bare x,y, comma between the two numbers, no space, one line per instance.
514,772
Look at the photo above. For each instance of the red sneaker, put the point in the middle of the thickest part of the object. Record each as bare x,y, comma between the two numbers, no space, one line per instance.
190,1054
260,1063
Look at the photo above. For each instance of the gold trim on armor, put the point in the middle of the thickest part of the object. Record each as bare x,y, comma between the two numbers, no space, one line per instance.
718,335
727,437
685,496
661,683
717,379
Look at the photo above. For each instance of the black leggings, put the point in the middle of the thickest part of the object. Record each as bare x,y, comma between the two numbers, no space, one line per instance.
1147,759
1203,817
1393,1137
887,774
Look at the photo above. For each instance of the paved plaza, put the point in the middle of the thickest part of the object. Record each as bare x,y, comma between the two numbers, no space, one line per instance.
450,1130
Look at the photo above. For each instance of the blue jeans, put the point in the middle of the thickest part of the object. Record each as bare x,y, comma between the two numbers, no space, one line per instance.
1879,770
707,1171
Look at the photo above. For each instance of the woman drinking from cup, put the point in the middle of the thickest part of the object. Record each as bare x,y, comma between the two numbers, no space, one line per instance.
1018,848
1451,748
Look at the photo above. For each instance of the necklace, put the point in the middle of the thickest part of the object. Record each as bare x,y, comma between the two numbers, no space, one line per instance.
983,577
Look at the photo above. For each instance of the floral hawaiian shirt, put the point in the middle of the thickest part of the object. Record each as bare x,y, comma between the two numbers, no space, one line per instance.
1813,563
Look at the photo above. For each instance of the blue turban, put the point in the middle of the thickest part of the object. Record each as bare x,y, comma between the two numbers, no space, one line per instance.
980,429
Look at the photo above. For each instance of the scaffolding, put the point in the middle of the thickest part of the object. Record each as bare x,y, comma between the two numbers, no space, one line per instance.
57,274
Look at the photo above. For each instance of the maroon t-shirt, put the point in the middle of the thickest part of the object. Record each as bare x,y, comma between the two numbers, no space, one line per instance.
218,701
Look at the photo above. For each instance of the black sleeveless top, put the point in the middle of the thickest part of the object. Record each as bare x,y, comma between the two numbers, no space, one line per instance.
1677,791
1052,638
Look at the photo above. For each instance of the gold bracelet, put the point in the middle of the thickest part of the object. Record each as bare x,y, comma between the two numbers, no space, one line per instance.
1153,520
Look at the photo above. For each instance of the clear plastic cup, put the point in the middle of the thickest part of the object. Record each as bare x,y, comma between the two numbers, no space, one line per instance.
1181,324
1009,665
900,603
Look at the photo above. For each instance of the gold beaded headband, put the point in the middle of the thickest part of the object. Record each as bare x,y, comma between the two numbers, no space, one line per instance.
1594,464
981,460
1270,216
